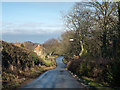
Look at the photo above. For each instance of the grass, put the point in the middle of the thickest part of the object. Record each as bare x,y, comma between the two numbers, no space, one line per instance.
64,61
48,61
17,81
91,83
52,56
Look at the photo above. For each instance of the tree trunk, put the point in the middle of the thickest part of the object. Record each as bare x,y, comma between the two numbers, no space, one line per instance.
104,46
81,43
119,10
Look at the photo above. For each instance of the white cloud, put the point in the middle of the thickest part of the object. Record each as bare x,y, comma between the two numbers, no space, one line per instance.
31,28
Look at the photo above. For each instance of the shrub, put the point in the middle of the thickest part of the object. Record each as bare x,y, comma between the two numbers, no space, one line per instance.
113,74
22,45
35,59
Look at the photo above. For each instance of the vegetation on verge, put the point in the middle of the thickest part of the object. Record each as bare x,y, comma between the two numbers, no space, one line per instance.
20,64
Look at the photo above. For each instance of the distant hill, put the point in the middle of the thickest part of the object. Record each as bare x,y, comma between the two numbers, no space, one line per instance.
28,45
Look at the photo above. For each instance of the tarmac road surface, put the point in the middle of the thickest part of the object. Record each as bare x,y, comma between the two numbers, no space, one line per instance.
56,78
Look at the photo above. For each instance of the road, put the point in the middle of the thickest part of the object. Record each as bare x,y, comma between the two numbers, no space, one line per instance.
56,78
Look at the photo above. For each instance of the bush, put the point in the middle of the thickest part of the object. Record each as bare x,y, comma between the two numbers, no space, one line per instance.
98,71
113,74
35,59
22,45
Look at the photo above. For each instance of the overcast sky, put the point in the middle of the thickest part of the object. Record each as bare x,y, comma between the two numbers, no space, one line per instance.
36,22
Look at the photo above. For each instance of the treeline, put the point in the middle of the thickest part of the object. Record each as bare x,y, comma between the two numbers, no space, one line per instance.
92,41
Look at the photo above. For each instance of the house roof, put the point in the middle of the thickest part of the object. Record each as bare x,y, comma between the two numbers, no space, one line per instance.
37,47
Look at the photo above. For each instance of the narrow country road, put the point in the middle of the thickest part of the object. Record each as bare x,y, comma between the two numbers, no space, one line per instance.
56,78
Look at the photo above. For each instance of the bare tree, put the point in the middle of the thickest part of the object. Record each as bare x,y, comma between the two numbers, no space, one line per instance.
80,21
104,16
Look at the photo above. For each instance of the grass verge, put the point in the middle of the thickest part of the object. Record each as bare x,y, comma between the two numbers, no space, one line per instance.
88,82
13,82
